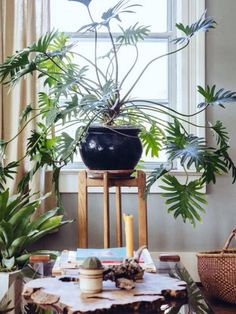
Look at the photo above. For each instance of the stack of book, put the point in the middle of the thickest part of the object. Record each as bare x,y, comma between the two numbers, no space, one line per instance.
69,261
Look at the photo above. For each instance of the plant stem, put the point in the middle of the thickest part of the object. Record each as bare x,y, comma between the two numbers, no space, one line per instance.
186,173
172,116
141,117
116,105
48,75
90,15
22,129
147,66
95,56
54,62
111,62
89,61
168,108
131,68
75,79
115,55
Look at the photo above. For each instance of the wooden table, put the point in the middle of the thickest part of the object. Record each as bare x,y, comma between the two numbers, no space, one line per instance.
191,305
147,297
67,297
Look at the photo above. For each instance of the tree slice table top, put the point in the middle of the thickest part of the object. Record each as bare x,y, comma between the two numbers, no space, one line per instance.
66,296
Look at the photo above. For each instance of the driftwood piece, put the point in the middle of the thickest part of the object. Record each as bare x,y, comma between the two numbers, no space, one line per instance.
148,294
129,270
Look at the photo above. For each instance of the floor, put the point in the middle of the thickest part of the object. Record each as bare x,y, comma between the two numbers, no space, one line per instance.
222,308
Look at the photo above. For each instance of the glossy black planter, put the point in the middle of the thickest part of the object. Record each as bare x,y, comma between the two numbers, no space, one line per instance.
113,148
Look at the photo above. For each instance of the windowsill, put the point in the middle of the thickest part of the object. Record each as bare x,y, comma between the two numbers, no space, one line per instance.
69,181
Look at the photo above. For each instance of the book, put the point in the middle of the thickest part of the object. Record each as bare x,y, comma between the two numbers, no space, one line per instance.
69,261
110,255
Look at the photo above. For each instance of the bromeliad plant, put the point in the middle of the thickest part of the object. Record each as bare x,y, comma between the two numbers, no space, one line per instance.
103,100
18,231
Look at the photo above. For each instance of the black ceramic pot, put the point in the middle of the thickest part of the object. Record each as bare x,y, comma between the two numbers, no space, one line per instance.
111,148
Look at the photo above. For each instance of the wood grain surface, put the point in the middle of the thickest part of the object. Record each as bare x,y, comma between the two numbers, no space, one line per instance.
66,297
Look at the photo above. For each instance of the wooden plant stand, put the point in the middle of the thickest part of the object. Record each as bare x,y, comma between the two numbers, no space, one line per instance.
107,179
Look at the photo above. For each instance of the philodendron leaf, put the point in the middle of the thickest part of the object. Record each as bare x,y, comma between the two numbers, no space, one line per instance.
85,2
229,164
222,136
192,152
25,113
184,199
133,34
203,24
119,8
213,164
196,301
154,176
7,172
66,146
44,42
152,140
179,144
213,97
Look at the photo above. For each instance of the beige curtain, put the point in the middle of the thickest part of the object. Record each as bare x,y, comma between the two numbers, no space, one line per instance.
21,23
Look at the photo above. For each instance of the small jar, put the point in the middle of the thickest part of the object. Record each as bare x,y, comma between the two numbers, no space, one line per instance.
39,262
91,275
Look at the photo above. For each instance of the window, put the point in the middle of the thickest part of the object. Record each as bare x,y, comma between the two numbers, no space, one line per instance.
180,74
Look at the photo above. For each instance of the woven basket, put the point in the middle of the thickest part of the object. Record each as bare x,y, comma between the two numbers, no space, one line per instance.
217,271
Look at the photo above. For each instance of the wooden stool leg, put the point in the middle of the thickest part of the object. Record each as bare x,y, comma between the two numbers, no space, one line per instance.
142,209
106,214
118,217
83,211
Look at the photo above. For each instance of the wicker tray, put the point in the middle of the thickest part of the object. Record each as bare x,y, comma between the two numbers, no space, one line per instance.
217,271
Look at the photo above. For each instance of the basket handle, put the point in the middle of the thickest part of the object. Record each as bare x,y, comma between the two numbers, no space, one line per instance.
227,243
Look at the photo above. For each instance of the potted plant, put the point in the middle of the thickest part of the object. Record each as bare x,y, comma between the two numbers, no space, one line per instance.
102,109
18,231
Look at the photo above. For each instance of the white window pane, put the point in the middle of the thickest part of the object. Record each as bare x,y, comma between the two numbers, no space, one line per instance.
69,16
154,82
162,157
153,13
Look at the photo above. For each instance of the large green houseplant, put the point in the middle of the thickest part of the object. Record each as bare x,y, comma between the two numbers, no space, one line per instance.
102,100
